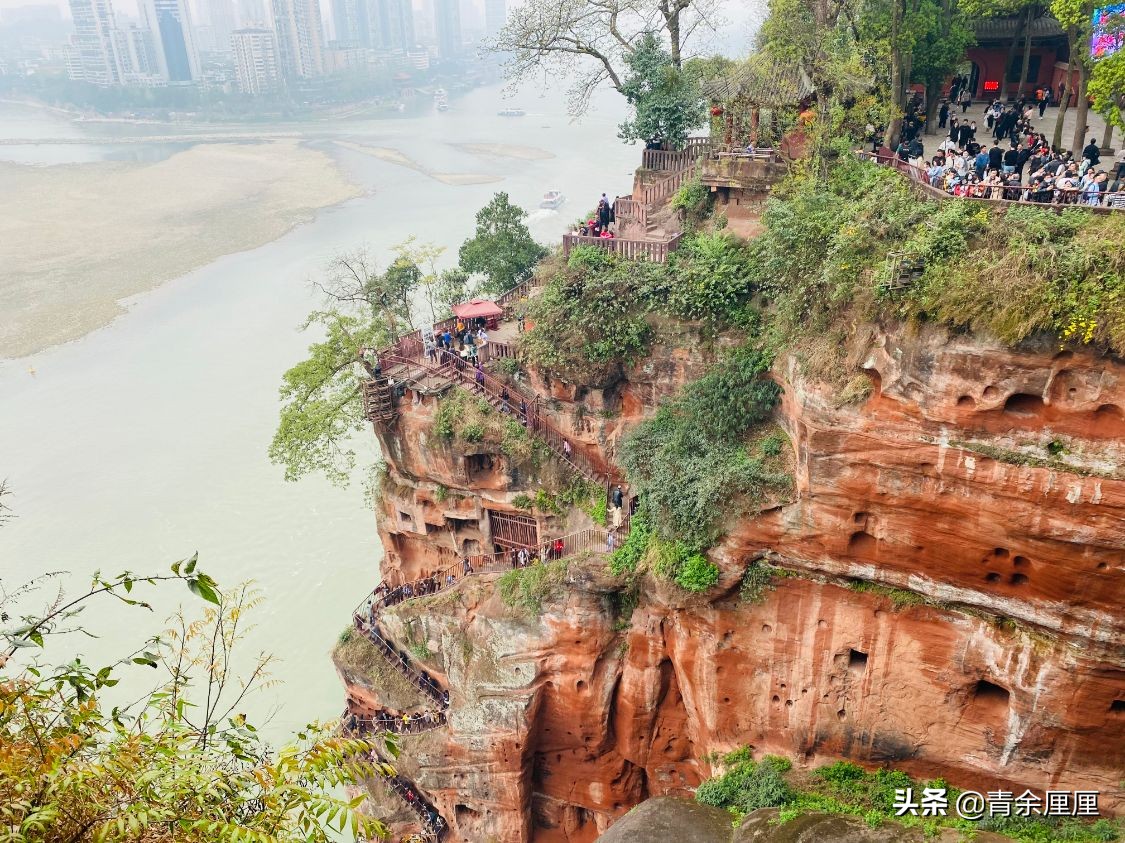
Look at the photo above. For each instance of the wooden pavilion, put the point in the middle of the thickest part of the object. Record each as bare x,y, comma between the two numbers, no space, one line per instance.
758,102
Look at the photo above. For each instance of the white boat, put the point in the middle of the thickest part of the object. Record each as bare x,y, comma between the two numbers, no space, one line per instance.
512,112
552,199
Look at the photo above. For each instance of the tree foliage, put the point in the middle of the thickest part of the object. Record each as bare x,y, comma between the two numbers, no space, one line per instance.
180,764
590,40
667,102
321,398
502,250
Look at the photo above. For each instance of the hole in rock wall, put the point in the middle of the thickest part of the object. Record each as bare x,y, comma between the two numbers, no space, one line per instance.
1000,553
990,393
1109,420
1101,566
857,661
966,401
862,544
989,704
580,685
1023,404
1117,707
841,714
993,577
789,703
860,517
1018,579
767,628
876,381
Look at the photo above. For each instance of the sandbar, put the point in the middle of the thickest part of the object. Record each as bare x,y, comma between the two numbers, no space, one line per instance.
394,156
76,239
506,150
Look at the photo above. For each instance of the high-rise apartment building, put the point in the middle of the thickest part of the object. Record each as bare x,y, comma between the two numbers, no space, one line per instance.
251,14
495,16
170,23
447,22
256,60
300,37
92,56
137,55
377,24
220,14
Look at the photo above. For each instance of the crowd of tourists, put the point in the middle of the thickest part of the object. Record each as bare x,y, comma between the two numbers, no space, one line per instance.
433,823
1016,163
385,720
465,340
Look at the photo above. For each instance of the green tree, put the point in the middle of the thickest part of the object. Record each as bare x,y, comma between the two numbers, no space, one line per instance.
322,405
939,52
182,763
1107,87
667,103
503,250
590,41
453,287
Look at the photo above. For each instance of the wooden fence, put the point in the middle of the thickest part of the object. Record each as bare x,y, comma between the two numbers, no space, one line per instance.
627,210
654,250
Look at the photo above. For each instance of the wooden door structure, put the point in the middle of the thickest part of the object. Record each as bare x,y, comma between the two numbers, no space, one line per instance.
511,530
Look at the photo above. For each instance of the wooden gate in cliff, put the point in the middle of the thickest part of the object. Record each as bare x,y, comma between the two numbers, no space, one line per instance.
513,531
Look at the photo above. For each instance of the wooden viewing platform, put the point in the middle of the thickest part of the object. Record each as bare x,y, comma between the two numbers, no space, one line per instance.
653,250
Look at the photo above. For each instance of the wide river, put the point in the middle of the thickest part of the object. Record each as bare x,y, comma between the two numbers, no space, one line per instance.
146,440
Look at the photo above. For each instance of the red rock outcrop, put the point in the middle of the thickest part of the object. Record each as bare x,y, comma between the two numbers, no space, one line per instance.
982,482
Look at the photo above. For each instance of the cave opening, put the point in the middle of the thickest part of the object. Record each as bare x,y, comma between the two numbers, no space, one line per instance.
857,662
1117,707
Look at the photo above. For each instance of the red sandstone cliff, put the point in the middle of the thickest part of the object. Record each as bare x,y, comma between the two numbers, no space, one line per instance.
1012,673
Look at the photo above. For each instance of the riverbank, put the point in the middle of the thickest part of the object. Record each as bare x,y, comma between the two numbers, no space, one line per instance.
76,239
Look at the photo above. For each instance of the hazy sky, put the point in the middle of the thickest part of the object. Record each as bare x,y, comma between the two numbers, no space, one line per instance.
742,16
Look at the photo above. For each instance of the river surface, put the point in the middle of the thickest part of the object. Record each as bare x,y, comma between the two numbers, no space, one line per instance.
145,441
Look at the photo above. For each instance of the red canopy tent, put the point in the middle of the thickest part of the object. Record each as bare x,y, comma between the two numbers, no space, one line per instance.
477,307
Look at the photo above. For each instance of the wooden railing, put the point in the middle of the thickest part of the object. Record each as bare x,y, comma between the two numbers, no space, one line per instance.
1060,199
628,210
654,250
665,188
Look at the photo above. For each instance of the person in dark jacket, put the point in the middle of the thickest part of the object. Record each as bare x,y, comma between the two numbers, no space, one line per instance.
1092,153
995,156
964,132
943,114
1011,159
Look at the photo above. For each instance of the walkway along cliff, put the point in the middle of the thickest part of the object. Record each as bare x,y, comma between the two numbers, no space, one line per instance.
948,600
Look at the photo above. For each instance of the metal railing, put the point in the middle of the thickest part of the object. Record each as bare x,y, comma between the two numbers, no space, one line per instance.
1058,200
656,251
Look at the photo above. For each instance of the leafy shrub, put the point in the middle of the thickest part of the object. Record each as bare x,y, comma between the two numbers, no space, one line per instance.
748,786
711,278
528,588
698,573
689,462
627,557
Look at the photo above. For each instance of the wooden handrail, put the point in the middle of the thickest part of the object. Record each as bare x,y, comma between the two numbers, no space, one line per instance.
656,251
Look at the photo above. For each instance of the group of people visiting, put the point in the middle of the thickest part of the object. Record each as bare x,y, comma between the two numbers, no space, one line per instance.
384,720
465,339
599,224
1020,164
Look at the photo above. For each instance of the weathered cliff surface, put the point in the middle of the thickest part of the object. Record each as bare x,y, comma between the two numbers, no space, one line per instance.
983,481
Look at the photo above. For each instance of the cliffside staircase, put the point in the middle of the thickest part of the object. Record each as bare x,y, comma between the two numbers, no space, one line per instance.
365,618
637,213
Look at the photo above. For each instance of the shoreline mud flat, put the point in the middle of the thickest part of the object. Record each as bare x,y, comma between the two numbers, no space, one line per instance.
77,239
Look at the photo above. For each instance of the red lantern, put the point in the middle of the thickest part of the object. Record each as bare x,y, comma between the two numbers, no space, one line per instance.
716,111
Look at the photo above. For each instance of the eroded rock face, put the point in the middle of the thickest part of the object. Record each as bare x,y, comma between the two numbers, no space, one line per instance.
1012,676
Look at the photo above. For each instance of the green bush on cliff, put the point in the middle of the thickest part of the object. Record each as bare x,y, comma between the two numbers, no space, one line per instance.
1009,271
847,788
690,461
527,589
594,315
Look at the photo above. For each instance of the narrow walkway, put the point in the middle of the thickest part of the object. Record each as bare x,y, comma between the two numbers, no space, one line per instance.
366,620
